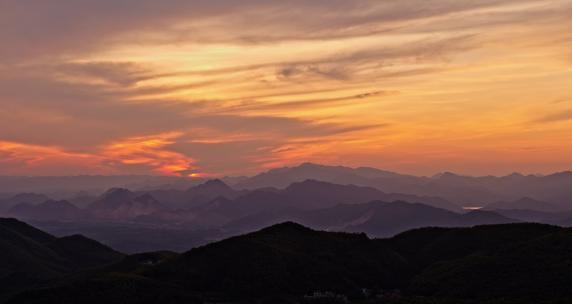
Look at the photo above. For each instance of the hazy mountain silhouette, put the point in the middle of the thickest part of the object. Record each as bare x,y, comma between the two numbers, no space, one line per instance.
320,194
91,183
283,177
382,219
463,190
222,211
215,205
22,198
524,204
137,220
533,216
378,219
82,199
48,210
195,196
271,205
122,204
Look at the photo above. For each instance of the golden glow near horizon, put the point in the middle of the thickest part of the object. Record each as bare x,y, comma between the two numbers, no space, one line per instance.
224,87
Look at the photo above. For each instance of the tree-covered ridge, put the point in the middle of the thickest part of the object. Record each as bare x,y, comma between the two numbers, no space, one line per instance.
289,263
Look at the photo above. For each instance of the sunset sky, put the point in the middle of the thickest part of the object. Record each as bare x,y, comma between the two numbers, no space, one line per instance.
229,87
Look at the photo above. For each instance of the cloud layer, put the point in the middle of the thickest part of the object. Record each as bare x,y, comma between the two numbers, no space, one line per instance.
230,87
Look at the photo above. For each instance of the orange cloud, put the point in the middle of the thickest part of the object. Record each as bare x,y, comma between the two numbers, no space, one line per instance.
149,151
18,158
132,155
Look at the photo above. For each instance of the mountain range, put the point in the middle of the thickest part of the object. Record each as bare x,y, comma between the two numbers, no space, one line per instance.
376,218
48,210
459,189
215,205
330,198
66,186
465,191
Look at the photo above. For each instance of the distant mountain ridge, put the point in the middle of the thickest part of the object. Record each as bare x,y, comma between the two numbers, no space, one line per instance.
463,190
214,209
22,198
525,203
269,204
59,187
283,177
376,218
318,204
122,204
48,210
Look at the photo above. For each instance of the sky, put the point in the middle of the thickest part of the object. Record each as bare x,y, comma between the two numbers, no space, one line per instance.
226,87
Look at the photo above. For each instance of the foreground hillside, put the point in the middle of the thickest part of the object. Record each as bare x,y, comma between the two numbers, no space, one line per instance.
289,263
29,256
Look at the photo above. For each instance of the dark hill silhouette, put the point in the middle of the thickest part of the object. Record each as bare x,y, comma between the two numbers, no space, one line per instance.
526,272
515,263
299,260
426,246
30,256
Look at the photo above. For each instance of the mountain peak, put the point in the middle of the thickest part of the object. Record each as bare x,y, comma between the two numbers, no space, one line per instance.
215,182
309,165
117,191
563,174
446,174
308,182
286,227
215,185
